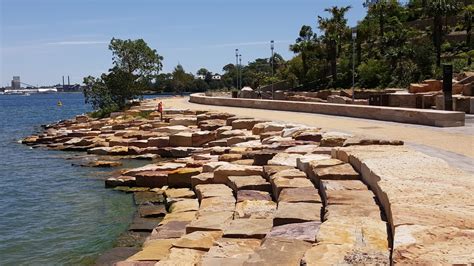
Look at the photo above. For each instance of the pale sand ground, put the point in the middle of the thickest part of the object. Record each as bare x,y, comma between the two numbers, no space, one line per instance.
455,145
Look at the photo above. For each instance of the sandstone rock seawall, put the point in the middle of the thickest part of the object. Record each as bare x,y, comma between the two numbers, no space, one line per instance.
242,191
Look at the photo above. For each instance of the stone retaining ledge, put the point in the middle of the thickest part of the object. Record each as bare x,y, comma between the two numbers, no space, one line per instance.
435,118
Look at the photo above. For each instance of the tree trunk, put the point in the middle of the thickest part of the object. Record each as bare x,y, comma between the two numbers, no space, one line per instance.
333,56
437,31
468,20
359,51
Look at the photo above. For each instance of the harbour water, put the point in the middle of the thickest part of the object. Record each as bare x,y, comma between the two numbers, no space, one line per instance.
50,211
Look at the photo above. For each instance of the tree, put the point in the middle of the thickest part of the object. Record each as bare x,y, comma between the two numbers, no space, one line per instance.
437,9
304,45
335,29
135,65
468,13
182,81
202,71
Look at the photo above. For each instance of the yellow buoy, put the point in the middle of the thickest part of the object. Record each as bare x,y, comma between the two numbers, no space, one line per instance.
60,103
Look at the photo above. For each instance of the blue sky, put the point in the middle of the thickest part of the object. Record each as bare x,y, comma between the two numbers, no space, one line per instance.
42,40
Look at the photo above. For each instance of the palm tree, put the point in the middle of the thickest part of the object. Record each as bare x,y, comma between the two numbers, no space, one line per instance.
335,31
305,43
438,9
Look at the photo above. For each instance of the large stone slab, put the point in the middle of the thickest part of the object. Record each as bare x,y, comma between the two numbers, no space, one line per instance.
153,250
152,179
202,178
281,183
429,245
301,231
252,195
179,216
222,173
370,210
217,204
253,182
179,193
201,240
337,172
184,205
202,137
211,221
182,177
183,121
366,238
270,170
248,228
230,251
283,251
255,209
302,194
181,139
173,229
288,159
213,190
297,213
182,256
289,173
413,188
303,163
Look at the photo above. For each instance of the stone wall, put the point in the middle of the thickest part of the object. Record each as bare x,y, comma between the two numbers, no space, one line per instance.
403,115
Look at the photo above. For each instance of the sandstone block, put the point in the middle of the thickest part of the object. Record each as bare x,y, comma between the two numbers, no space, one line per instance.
301,231
283,251
334,139
151,179
230,251
297,213
179,193
248,228
417,244
182,177
270,170
154,250
202,137
337,172
255,209
280,183
217,204
202,178
182,139
211,221
285,159
253,182
182,256
245,123
200,240
243,195
303,194
183,121
213,190
184,205
222,173
173,229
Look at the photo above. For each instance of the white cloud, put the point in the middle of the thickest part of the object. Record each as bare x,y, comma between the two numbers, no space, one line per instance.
77,43
256,43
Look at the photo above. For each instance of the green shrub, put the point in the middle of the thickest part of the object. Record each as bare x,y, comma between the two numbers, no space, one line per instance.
371,73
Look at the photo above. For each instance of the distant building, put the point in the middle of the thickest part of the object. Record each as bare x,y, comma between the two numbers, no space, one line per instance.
216,77
16,84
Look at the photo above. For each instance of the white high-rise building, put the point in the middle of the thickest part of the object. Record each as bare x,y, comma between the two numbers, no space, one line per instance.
16,84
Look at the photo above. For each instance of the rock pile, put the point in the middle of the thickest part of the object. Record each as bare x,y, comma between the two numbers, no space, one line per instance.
241,191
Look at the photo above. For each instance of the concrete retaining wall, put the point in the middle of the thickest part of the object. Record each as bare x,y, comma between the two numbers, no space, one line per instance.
403,115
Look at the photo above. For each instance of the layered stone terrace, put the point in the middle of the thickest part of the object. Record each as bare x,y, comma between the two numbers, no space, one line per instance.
241,191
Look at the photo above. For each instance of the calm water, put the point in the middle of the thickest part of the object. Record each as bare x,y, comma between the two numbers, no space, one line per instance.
52,212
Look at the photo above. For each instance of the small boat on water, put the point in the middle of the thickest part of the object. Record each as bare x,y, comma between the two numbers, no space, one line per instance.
59,103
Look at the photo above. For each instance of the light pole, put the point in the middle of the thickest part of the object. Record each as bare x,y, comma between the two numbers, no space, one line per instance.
237,67
354,36
271,60
240,70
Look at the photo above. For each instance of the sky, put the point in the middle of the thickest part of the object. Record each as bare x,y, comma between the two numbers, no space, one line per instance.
43,40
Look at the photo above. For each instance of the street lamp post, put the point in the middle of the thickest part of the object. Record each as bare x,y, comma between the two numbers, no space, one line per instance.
271,60
237,67
240,70
354,36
